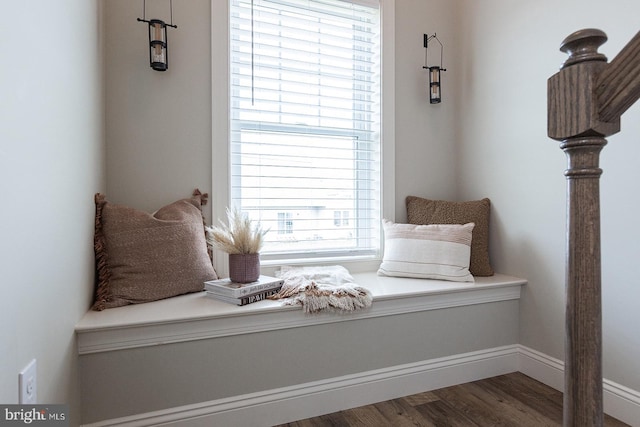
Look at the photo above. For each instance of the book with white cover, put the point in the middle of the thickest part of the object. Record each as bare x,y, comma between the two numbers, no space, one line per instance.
228,288
247,299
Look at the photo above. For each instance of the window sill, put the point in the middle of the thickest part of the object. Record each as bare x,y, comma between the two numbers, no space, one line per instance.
196,316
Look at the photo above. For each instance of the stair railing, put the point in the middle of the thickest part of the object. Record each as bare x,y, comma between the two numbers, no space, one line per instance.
585,101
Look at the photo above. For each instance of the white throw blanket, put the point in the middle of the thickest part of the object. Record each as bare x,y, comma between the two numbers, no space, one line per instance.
322,288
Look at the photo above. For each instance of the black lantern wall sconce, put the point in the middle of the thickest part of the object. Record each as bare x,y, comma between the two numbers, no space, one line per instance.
158,52
435,93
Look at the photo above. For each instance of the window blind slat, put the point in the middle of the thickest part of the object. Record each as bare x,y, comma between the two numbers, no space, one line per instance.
305,156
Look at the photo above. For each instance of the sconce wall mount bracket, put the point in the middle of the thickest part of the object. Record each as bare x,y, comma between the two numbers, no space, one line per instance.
435,89
158,47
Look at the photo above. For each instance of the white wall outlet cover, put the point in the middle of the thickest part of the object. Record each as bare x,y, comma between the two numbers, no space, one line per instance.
28,392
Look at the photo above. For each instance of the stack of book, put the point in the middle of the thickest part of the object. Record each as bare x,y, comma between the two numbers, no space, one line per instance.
242,293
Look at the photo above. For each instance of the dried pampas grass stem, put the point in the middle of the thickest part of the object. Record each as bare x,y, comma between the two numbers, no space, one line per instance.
240,236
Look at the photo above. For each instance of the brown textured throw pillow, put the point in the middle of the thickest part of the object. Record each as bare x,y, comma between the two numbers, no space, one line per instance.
426,211
144,257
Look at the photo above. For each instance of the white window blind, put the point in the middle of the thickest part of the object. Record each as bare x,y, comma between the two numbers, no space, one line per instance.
305,112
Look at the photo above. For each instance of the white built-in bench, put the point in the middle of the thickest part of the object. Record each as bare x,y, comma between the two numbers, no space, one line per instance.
195,316
195,361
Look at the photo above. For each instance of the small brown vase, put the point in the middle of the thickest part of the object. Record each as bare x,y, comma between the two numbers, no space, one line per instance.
244,268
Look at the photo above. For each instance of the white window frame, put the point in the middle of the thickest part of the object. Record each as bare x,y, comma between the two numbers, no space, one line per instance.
220,98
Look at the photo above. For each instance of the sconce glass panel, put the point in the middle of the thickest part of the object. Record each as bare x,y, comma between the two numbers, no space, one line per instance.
434,85
158,45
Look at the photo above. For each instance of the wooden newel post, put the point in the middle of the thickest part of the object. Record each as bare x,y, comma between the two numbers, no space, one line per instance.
583,315
585,102
573,119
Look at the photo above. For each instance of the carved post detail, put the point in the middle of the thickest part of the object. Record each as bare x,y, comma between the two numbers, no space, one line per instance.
573,119
585,102
583,315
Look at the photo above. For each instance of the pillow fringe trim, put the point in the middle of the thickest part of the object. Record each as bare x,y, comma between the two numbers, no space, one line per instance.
204,198
102,294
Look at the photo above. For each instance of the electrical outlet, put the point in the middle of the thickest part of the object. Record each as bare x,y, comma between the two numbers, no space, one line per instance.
28,384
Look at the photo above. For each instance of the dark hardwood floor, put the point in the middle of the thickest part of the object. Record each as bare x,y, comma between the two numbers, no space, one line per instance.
507,400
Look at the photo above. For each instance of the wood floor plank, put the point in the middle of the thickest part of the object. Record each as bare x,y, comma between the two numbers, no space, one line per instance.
512,400
442,414
421,398
538,396
464,399
364,416
530,394
400,413
609,421
512,411
516,378
329,420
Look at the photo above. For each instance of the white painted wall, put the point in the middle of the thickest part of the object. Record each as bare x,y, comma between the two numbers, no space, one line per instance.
51,164
510,50
487,138
158,123
426,134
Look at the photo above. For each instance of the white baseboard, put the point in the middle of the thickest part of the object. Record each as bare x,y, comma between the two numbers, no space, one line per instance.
620,402
544,368
301,401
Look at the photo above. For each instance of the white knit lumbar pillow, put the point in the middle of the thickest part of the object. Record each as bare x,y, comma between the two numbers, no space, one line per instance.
435,251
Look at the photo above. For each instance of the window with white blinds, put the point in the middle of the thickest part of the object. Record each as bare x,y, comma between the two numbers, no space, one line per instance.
305,131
